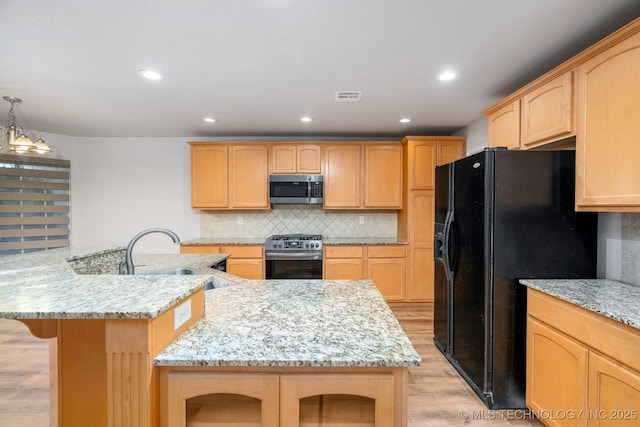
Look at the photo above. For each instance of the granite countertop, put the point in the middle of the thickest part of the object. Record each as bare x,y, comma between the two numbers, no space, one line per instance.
224,241
325,241
45,285
365,241
610,298
316,323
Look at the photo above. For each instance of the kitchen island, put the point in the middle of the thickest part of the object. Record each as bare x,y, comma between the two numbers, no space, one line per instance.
123,353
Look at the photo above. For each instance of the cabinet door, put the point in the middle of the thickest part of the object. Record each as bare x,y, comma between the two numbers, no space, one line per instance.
283,159
343,269
449,151
556,374
309,158
504,127
547,112
423,157
421,246
614,394
383,176
249,177
248,268
342,176
337,400
215,399
607,148
389,276
209,177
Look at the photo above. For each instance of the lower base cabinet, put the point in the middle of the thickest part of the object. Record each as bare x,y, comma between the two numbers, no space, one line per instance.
246,261
583,369
203,399
386,265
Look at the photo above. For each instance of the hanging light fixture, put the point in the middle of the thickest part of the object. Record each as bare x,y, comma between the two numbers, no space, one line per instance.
16,136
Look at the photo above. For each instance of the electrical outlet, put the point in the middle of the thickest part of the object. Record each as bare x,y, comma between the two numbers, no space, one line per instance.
361,219
181,314
240,220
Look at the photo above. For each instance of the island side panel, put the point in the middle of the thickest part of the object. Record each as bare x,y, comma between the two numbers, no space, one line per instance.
133,394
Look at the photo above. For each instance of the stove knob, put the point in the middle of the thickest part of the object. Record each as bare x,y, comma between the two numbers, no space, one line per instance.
317,244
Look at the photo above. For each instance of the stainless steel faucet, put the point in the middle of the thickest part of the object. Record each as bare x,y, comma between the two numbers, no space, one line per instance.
126,266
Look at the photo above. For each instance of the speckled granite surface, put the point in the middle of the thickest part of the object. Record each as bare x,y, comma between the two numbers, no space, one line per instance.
365,241
328,241
317,323
223,241
613,299
44,285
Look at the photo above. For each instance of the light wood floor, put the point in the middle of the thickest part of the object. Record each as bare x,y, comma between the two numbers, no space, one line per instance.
437,394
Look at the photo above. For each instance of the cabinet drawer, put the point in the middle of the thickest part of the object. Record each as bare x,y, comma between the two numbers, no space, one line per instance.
614,339
199,249
343,251
243,251
386,251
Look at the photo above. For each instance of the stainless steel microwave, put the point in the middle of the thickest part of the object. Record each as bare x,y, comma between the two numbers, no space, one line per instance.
295,189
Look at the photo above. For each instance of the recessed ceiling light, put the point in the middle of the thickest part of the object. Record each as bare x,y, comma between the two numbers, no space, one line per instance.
447,75
405,120
306,119
209,120
151,74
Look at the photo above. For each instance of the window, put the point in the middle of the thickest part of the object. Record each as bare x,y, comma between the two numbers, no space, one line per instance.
34,204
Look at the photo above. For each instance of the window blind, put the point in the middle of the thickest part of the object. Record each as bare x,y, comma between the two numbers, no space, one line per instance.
34,204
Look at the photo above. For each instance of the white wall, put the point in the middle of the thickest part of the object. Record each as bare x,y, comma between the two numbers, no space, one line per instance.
477,134
120,186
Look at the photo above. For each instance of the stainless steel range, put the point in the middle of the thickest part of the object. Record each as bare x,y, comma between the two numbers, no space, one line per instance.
293,256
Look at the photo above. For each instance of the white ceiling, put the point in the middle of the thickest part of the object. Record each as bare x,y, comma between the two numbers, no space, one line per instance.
257,66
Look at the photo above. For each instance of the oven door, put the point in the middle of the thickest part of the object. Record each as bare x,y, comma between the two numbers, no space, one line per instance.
293,265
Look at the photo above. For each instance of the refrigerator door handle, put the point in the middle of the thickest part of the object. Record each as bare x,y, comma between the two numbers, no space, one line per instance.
446,246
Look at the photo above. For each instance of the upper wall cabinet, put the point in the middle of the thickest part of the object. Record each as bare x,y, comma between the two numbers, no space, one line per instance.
542,114
295,158
363,176
229,176
209,176
547,112
504,126
607,144
425,153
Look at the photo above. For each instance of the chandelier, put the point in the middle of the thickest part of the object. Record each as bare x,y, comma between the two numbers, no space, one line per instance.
16,136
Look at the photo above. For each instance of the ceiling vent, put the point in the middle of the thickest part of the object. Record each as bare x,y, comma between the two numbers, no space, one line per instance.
348,96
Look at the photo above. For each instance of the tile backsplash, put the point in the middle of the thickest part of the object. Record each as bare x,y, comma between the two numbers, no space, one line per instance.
630,272
283,219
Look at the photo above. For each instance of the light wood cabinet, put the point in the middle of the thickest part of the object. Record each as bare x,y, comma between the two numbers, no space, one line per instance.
249,185
363,176
228,176
548,112
199,399
209,176
382,176
296,158
384,264
607,149
258,399
504,126
556,374
421,155
246,261
342,176
579,360
308,400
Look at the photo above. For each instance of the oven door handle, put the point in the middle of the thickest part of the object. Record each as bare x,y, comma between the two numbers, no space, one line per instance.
274,256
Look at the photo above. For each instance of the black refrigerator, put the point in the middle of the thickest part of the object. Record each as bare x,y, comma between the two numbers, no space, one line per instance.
501,216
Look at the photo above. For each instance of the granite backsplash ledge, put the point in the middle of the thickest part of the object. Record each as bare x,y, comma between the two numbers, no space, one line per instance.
283,219
630,271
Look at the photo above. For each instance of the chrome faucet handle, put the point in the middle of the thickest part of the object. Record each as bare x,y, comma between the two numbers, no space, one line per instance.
122,268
